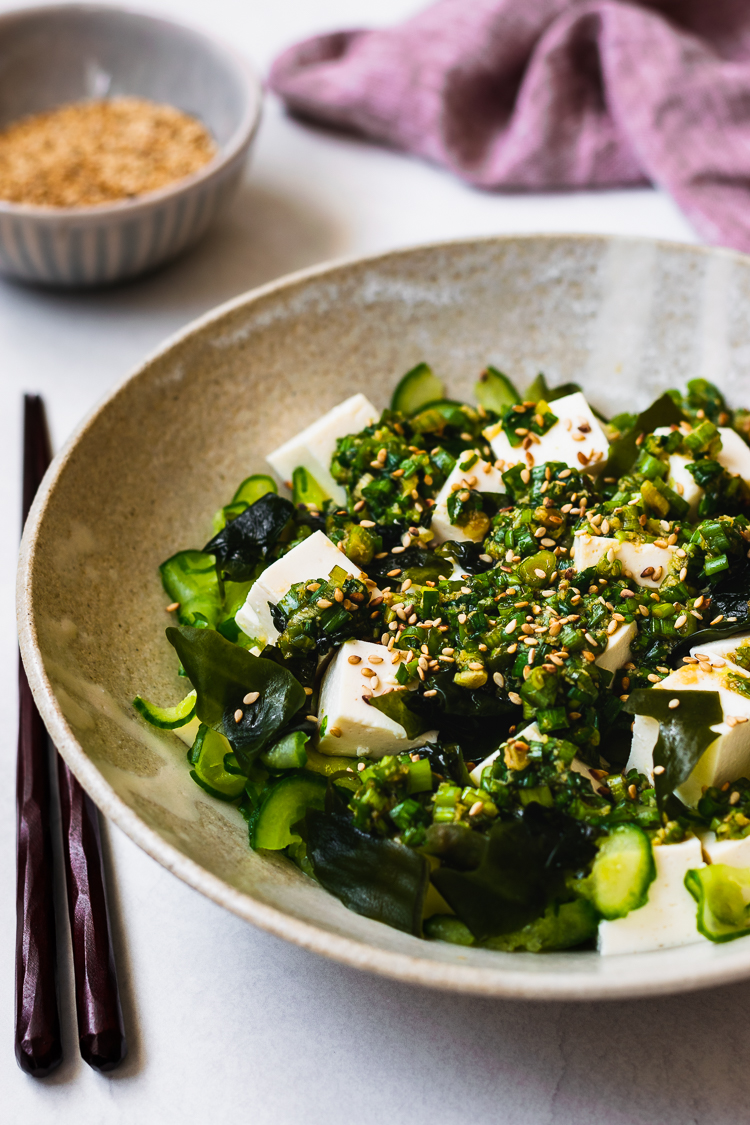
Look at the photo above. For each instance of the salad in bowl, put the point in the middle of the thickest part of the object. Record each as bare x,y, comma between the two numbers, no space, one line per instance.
483,670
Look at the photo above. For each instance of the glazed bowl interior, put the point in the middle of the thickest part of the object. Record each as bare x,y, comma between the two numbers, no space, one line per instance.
145,473
62,54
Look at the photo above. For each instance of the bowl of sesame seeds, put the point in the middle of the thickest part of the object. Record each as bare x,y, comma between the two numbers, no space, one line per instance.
122,137
207,409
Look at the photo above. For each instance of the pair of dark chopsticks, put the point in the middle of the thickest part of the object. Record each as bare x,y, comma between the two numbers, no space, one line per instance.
101,1034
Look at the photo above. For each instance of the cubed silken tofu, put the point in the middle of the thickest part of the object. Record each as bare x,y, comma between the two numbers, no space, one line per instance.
635,557
734,456
576,438
313,448
481,476
617,652
531,733
668,919
349,725
727,757
314,557
733,853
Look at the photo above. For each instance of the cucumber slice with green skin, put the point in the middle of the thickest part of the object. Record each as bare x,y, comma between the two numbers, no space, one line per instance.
251,489
288,753
495,392
447,927
207,756
723,897
327,764
190,578
418,387
622,872
562,926
167,718
306,490
283,806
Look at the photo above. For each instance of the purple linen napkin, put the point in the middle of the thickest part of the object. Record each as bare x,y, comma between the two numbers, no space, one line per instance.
541,94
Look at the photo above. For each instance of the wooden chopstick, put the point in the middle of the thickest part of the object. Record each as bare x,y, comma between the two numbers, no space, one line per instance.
38,1043
101,1033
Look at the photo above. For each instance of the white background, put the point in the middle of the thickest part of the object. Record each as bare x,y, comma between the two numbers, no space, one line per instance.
225,1022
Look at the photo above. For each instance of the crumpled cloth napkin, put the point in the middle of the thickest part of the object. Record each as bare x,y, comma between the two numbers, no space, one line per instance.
544,94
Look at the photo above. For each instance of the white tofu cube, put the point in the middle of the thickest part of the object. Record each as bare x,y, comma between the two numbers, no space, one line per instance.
617,652
668,919
734,456
683,483
635,557
576,438
314,557
733,853
350,725
315,446
735,453
531,732
727,757
481,476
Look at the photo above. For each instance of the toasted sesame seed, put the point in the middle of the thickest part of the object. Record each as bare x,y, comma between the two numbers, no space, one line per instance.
476,666
653,678
359,506
680,621
238,716
613,627
511,626
539,572
430,693
515,698
394,573
338,594
324,603
253,695
405,585
716,620
462,619
734,798
659,770
355,659
673,703
632,791
311,718
478,806
367,523
172,607
397,550
335,731
367,671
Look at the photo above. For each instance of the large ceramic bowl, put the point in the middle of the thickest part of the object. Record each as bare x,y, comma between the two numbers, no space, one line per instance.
145,472
73,52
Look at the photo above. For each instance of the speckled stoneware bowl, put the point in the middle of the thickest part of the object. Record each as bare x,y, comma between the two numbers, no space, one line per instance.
145,472
53,55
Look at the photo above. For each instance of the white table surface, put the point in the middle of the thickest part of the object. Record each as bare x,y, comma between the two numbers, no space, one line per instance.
225,1022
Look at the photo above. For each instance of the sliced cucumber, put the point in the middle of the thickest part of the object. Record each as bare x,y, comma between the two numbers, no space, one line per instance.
495,392
723,897
417,388
288,753
251,489
208,756
562,926
306,490
622,873
167,718
190,578
327,764
285,804
446,927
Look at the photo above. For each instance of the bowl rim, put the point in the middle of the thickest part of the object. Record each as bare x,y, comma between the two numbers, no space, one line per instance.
485,980
237,143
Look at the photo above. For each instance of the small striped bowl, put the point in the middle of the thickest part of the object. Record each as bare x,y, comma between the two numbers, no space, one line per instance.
61,54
